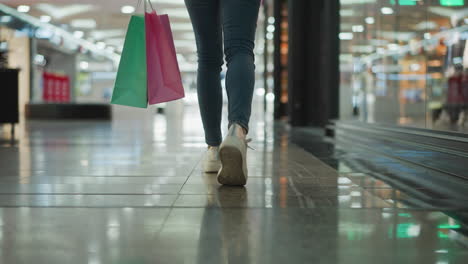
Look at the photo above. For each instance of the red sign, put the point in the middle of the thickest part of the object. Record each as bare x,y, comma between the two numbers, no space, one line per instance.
56,88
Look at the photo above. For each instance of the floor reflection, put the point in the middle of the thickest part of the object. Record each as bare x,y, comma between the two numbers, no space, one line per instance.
224,234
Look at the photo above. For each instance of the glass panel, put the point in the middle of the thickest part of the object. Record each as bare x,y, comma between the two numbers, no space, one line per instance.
403,62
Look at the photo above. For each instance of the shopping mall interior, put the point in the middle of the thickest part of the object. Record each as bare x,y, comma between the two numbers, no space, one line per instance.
359,135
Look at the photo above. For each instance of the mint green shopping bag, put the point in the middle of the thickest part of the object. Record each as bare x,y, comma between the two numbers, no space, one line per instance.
131,82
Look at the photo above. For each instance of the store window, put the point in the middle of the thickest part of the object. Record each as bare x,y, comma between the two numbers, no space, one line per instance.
404,62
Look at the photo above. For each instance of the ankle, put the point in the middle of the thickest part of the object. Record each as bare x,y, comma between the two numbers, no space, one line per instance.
239,130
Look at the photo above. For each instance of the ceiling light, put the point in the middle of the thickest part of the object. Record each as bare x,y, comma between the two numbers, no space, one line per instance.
58,12
270,97
180,57
386,10
370,20
176,12
45,19
346,12
271,20
78,34
260,91
23,8
84,65
40,60
271,28
44,33
190,36
107,33
393,46
5,19
101,45
346,36
426,25
115,41
181,26
358,28
127,9
83,23
183,43
362,48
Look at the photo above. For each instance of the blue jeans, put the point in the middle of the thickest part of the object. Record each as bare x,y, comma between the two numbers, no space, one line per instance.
237,20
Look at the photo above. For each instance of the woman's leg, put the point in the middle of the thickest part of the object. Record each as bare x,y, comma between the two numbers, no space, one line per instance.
206,21
239,26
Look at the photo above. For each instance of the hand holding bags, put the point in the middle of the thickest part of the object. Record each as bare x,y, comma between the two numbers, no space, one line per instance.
148,70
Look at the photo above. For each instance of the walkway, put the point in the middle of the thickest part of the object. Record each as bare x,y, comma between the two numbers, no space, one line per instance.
132,191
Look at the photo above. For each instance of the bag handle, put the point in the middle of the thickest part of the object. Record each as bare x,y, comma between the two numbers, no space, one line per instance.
144,4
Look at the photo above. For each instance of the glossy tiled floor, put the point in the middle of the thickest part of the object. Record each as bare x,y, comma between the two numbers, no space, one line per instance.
132,191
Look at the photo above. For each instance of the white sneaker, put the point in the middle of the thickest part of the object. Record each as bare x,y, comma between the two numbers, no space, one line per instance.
462,118
233,155
444,119
211,162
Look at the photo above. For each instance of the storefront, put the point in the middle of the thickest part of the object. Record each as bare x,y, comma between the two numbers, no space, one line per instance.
385,78
55,68
403,62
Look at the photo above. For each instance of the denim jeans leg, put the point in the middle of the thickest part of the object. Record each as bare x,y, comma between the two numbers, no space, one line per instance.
206,21
239,18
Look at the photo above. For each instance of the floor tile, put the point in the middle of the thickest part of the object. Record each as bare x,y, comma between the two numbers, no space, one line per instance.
21,200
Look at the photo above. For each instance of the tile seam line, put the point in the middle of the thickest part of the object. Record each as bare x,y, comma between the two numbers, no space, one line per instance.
171,208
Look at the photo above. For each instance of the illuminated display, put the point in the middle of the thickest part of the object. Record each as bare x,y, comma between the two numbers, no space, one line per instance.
412,66
448,226
452,2
404,2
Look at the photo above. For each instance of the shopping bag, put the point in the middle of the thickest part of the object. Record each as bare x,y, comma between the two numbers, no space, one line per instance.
164,79
131,82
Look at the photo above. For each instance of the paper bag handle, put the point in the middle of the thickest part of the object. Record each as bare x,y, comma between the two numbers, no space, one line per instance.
145,6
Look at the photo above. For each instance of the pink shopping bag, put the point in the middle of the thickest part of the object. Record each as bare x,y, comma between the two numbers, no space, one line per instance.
163,74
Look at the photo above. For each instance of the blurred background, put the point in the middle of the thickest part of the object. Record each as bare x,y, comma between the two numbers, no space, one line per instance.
403,62
81,41
359,104
398,62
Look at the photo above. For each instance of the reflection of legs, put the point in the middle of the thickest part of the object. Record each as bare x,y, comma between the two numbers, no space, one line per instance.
239,25
444,118
224,234
235,224
210,241
462,117
205,16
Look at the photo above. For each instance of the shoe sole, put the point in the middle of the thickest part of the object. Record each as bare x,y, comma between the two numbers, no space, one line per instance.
231,172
